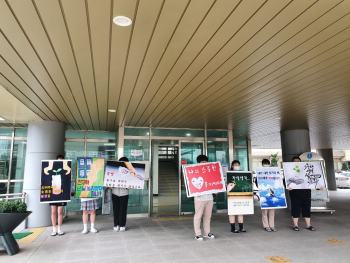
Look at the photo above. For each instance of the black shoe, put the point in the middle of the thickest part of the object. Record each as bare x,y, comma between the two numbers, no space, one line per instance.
235,231
296,228
311,228
241,229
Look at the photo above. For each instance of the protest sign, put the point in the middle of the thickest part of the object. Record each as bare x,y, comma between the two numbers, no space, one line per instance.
271,188
55,181
304,175
203,178
242,182
89,181
240,204
125,175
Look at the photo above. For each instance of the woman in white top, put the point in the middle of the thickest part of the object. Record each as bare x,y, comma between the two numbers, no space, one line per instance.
120,197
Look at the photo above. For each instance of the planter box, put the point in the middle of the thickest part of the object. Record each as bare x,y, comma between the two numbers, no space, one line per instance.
8,222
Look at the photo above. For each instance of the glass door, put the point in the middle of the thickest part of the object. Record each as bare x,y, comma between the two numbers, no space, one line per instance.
188,155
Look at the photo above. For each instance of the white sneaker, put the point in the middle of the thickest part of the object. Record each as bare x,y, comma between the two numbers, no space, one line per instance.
116,228
53,233
209,236
93,230
85,231
199,238
122,229
60,233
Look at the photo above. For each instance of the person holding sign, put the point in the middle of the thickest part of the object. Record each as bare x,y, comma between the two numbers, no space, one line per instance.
120,197
57,208
235,166
268,223
203,207
301,199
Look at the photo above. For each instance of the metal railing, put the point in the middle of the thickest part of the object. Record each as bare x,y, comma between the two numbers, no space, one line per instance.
19,196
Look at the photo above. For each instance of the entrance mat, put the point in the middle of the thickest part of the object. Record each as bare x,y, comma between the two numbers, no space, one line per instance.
278,259
21,235
335,241
29,239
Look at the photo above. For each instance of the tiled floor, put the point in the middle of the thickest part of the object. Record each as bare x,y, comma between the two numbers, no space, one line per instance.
173,241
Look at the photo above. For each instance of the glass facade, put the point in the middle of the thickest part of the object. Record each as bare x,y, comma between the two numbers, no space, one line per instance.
177,133
12,167
131,146
241,154
216,134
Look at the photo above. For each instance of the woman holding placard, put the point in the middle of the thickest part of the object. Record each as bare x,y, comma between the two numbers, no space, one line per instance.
268,221
120,197
300,199
235,166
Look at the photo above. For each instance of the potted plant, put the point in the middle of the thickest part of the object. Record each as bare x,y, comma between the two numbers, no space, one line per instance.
12,213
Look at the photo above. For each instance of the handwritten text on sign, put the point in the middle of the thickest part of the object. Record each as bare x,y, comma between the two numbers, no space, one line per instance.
204,178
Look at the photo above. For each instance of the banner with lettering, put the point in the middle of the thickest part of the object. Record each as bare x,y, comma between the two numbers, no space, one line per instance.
55,181
271,188
203,178
125,175
304,175
89,180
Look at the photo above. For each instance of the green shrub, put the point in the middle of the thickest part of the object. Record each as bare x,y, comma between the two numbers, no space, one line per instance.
12,206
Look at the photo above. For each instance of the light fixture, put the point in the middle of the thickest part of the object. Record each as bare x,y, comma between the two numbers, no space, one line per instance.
277,118
188,134
122,21
111,144
2,119
147,133
111,110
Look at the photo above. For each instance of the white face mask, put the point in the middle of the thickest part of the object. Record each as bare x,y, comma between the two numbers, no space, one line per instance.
236,168
266,165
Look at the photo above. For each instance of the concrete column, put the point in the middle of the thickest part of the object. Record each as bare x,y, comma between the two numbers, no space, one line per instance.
45,141
327,155
294,143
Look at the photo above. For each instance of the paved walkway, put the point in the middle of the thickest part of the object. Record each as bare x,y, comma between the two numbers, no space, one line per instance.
173,241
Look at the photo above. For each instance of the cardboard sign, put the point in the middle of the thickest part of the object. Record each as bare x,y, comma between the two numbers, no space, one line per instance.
89,180
203,178
271,188
125,175
304,175
240,205
55,181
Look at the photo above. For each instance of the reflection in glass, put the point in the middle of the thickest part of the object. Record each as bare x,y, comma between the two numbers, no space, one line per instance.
18,159
5,151
16,187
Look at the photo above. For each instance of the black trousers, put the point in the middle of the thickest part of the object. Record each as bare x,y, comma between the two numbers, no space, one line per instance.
303,203
120,207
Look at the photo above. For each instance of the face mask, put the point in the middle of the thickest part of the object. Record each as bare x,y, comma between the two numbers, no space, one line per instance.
236,168
266,165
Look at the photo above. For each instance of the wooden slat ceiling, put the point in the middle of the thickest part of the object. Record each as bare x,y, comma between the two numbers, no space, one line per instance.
183,64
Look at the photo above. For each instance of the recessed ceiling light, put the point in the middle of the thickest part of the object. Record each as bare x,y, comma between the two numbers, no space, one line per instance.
2,119
188,134
122,21
147,133
111,110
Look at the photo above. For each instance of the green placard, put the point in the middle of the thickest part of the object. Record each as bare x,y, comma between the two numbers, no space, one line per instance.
242,181
90,176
